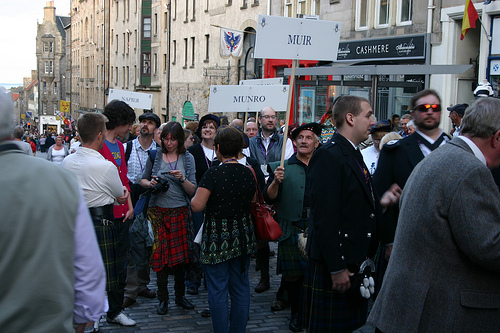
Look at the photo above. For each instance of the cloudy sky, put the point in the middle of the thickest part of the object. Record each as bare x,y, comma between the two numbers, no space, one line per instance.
18,24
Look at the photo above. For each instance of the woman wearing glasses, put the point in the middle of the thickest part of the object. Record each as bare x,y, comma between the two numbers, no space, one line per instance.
172,177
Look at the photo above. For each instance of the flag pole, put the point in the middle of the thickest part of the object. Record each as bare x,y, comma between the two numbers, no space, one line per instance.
484,28
288,111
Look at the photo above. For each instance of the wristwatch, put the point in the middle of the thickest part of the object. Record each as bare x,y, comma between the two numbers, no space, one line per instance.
183,179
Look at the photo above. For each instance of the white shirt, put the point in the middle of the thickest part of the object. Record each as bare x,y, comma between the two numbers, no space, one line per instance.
477,152
97,177
209,153
370,157
289,151
423,148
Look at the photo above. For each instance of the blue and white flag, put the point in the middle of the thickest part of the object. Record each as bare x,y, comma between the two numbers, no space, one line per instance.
231,42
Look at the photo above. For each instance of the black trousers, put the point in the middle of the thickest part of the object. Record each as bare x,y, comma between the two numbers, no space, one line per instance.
115,297
162,282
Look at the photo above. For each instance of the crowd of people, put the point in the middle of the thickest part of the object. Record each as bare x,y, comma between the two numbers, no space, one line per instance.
387,222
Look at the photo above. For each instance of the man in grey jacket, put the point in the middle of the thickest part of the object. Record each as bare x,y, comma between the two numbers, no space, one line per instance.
444,271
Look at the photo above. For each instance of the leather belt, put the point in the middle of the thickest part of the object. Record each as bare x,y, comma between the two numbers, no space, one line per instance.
102,212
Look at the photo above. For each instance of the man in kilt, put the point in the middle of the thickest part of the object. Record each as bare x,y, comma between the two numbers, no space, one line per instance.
101,185
342,222
288,191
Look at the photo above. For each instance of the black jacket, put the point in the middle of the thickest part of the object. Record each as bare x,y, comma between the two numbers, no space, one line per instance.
343,211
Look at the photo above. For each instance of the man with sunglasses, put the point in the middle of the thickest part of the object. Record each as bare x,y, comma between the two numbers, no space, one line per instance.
398,158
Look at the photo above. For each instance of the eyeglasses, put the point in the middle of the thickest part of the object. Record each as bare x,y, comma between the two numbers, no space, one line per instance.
426,107
269,117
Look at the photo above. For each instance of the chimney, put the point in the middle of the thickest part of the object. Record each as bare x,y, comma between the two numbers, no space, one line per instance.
49,12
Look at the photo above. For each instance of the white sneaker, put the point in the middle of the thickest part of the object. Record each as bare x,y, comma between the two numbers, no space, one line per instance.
122,319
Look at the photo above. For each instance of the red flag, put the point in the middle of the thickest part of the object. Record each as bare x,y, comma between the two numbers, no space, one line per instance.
469,19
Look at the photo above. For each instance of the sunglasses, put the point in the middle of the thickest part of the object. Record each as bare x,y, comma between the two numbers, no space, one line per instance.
426,107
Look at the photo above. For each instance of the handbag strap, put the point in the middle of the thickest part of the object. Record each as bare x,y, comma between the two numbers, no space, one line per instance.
260,197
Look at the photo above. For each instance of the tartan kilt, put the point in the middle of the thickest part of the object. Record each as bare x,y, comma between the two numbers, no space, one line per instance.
290,262
324,310
108,244
171,233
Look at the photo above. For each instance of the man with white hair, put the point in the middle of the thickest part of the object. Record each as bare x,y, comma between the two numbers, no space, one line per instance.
60,281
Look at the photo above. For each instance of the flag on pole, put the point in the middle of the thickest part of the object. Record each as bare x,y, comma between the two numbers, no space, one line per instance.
231,42
469,19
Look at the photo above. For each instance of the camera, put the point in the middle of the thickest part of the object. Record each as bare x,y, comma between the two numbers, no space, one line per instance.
161,186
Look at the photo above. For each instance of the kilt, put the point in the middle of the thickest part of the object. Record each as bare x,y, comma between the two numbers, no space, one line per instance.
325,310
170,230
108,244
290,262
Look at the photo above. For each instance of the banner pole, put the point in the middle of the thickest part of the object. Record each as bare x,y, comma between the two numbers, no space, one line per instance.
288,110
245,122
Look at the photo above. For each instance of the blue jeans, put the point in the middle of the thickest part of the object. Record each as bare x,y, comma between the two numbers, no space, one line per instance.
221,279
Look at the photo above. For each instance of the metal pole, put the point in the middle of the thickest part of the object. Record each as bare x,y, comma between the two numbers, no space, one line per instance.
288,107
167,113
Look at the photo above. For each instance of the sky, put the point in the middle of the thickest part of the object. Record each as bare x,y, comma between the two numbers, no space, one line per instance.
18,24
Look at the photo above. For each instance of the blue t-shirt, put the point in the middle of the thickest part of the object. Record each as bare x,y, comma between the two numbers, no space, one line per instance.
115,151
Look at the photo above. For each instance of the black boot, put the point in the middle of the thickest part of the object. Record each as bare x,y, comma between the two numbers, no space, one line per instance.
162,308
294,325
263,264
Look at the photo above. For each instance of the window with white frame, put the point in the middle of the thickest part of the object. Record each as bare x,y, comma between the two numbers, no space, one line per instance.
302,7
55,108
55,88
48,47
288,8
48,67
404,12
382,13
362,11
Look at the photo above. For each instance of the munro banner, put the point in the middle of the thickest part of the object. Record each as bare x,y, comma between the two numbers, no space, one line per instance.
246,98
294,38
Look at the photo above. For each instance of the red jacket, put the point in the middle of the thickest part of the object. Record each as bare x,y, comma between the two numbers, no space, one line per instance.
121,210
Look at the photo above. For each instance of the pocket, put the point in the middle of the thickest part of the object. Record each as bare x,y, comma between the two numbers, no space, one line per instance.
479,299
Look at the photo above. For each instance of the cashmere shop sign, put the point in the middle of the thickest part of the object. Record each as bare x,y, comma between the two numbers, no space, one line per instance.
133,99
243,98
294,38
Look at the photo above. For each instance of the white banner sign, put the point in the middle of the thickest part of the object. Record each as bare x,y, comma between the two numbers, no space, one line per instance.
265,82
134,99
247,98
291,38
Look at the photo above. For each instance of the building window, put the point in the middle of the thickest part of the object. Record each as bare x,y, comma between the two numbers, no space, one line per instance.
45,88
55,108
174,51
123,76
128,77
146,27
156,25
146,63
404,12
128,42
194,6
288,8
48,67
362,11
185,52
244,4
117,42
206,9
165,16
156,63
44,108
135,39
382,13
124,43
164,63
48,47
187,11
207,47
116,75
301,8
192,51
55,88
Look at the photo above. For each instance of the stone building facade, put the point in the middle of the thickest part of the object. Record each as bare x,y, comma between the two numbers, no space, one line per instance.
51,59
